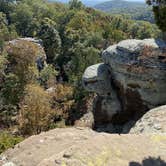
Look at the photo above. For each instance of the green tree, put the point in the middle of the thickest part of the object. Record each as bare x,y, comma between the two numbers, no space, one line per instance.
51,39
75,4
82,57
7,32
7,7
22,18
159,9
47,76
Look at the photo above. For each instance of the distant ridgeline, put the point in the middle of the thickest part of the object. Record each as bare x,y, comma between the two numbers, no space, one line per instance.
90,3
136,10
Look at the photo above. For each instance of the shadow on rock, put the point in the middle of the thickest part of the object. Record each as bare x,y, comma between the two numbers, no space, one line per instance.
149,162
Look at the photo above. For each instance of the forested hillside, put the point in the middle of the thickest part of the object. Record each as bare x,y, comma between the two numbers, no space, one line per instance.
85,2
135,10
73,37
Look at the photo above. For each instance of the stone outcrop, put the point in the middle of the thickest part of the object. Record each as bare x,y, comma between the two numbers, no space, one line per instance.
154,121
133,76
97,79
84,147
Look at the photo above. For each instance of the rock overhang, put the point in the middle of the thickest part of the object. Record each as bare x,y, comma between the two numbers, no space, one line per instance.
137,74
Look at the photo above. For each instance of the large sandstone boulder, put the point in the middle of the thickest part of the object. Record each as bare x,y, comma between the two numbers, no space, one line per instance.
97,78
84,147
137,75
153,121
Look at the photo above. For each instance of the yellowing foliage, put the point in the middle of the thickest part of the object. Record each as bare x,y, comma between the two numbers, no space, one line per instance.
35,113
62,100
22,56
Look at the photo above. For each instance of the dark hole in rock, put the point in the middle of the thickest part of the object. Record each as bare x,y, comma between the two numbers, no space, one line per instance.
109,94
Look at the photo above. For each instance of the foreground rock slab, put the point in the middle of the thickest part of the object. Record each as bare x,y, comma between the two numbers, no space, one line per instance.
84,147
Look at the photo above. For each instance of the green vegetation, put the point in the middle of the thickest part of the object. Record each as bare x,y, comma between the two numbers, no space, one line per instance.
73,36
8,141
159,9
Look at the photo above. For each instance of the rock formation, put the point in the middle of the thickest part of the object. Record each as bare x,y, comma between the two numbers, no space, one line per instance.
154,121
84,147
131,81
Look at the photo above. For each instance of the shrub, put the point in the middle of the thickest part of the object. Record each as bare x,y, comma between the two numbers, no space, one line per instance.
48,76
35,113
8,141
21,69
62,101
3,62
8,115
22,57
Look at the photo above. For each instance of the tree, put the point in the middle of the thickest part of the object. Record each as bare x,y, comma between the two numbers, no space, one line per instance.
159,9
75,4
7,7
51,39
22,18
47,76
7,32
81,58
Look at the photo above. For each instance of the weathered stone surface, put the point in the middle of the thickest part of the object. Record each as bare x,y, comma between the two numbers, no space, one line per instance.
153,121
83,147
97,79
136,70
137,75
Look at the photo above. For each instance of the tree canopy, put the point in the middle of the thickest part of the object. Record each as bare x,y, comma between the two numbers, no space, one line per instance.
159,9
73,36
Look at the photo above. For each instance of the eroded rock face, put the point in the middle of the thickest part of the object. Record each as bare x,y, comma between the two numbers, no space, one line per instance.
137,76
97,78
